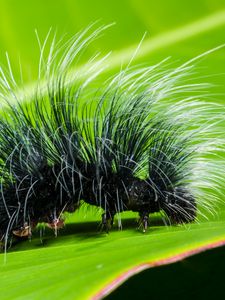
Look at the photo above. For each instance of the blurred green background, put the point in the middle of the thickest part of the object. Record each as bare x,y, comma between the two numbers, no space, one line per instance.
180,29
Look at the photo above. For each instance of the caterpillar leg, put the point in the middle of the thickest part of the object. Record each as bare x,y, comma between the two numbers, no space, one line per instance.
143,221
56,224
107,221
25,231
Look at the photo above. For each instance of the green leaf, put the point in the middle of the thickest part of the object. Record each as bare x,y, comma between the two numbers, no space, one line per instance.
82,263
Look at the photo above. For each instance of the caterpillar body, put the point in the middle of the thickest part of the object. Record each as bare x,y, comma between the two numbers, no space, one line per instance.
138,142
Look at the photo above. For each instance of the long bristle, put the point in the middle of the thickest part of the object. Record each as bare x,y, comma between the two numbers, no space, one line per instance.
138,142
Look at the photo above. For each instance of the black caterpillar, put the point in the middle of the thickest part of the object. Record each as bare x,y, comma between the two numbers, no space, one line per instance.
125,145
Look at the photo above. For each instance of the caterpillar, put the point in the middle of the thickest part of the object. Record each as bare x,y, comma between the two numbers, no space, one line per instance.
139,141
